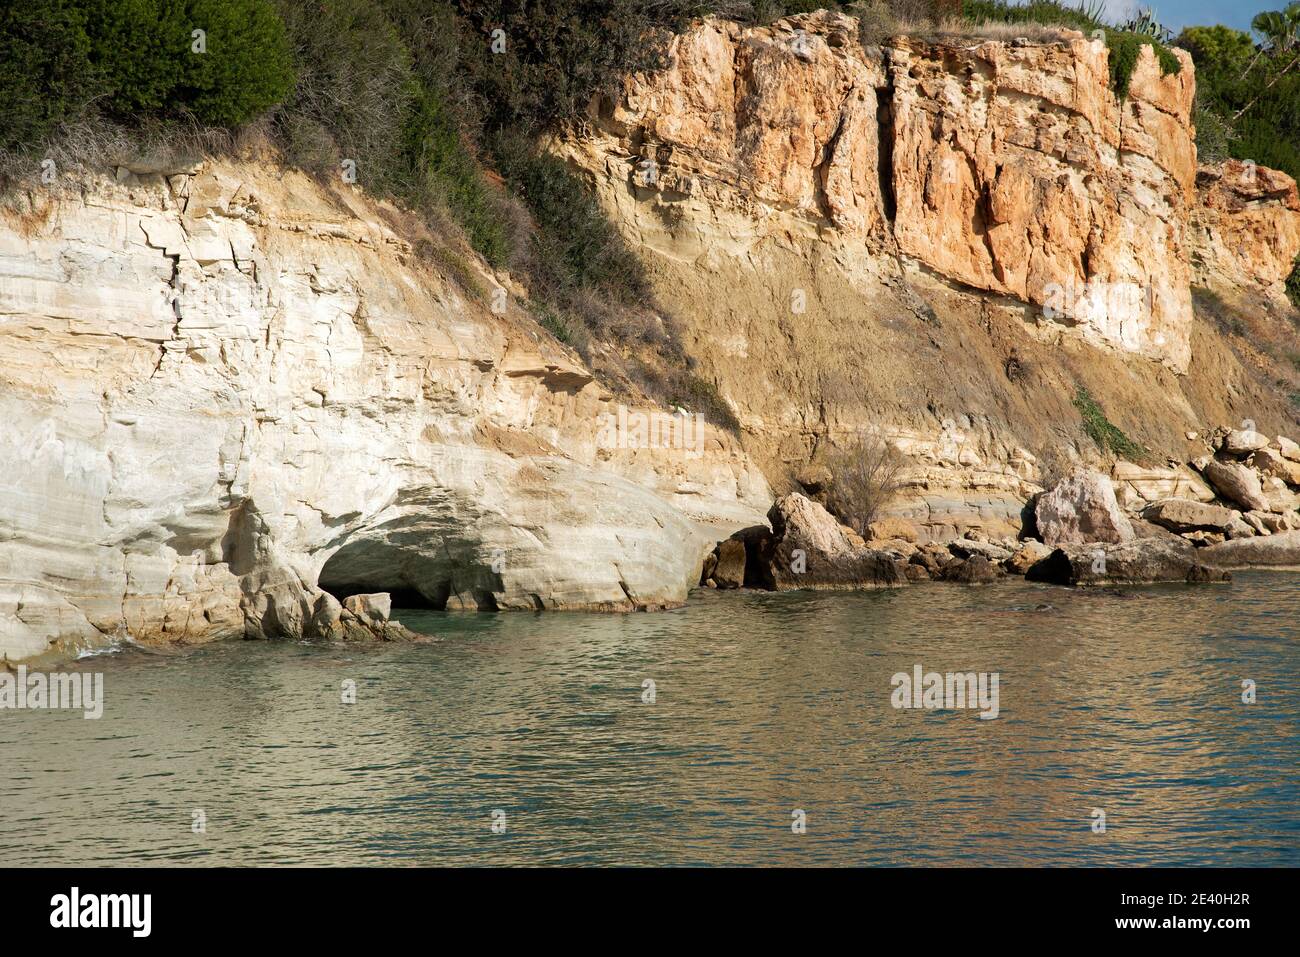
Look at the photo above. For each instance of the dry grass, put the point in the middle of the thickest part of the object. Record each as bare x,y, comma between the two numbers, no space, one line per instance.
866,475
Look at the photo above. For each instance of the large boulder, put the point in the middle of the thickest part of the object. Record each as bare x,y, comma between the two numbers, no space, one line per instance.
1282,549
810,549
1030,554
1138,485
1243,441
1184,515
1081,508
1141,561
975,570
375,609
1272,462
1289,449
1237,483
729,572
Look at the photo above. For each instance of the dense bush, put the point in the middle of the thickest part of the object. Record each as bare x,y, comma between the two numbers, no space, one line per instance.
247,67
45,71
134,59
354,87
1255,89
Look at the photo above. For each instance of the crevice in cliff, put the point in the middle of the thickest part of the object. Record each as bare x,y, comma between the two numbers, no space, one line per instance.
885,151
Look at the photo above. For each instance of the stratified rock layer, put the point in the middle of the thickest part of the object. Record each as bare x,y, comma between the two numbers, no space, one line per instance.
226,388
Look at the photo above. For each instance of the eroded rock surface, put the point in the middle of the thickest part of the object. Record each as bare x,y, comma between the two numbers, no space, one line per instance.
225,389
1082,508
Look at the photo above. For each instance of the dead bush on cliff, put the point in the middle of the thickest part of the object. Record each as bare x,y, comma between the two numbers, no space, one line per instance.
866,475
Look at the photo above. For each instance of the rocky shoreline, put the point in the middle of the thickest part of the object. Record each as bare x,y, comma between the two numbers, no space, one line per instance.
1242,510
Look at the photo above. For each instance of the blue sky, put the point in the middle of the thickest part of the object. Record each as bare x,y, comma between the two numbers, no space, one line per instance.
1176,14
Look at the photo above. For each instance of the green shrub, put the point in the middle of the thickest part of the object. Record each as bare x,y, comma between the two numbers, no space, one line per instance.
441,169
1102,431
557,55
1233,76
1124,51
247,68
586,250
140,50
1293,284
1087,16
354,83
45,69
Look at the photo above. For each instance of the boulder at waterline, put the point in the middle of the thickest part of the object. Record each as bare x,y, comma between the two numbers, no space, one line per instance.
1141,561
1081,508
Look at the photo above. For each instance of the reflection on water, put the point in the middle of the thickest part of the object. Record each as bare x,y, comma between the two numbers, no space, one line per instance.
1129,702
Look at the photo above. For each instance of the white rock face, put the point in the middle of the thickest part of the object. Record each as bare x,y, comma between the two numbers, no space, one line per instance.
317,405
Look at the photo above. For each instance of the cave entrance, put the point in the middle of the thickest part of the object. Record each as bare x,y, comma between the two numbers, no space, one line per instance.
366,567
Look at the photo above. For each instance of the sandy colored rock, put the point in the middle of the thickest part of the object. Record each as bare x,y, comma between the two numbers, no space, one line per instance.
1289,449
1282,549
1182,515
1137,485
229,392
1244,228
1270,462
810,549
1081,508
375,608
1029,554
1237,483
891,528
729,572
1242,442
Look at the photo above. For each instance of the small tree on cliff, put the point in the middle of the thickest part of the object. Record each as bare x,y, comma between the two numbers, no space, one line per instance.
866,475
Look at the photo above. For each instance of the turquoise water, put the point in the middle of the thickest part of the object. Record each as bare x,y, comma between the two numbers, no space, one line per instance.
1129,702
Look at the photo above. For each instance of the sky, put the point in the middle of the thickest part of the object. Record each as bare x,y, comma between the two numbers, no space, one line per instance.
1176,14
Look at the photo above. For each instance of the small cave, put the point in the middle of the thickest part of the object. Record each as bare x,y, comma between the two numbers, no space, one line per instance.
363,568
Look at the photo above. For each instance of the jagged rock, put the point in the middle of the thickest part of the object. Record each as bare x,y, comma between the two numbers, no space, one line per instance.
1272,462
1029,554
1241,442
1203,538
1239,528
1281,549
815,479
1237,483
730,569
1245,228
890,528
1261,522
965,548
916,573
1136,485
706,569
1290,450
810,549
1081,508
1281,498
374,609
1181,515
932,557
1141,561
975,570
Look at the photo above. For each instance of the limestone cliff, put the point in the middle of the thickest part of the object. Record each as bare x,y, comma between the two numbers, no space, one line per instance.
227,387
233,395
943,239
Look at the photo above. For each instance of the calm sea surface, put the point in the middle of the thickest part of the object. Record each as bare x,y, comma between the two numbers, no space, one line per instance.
1128,702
